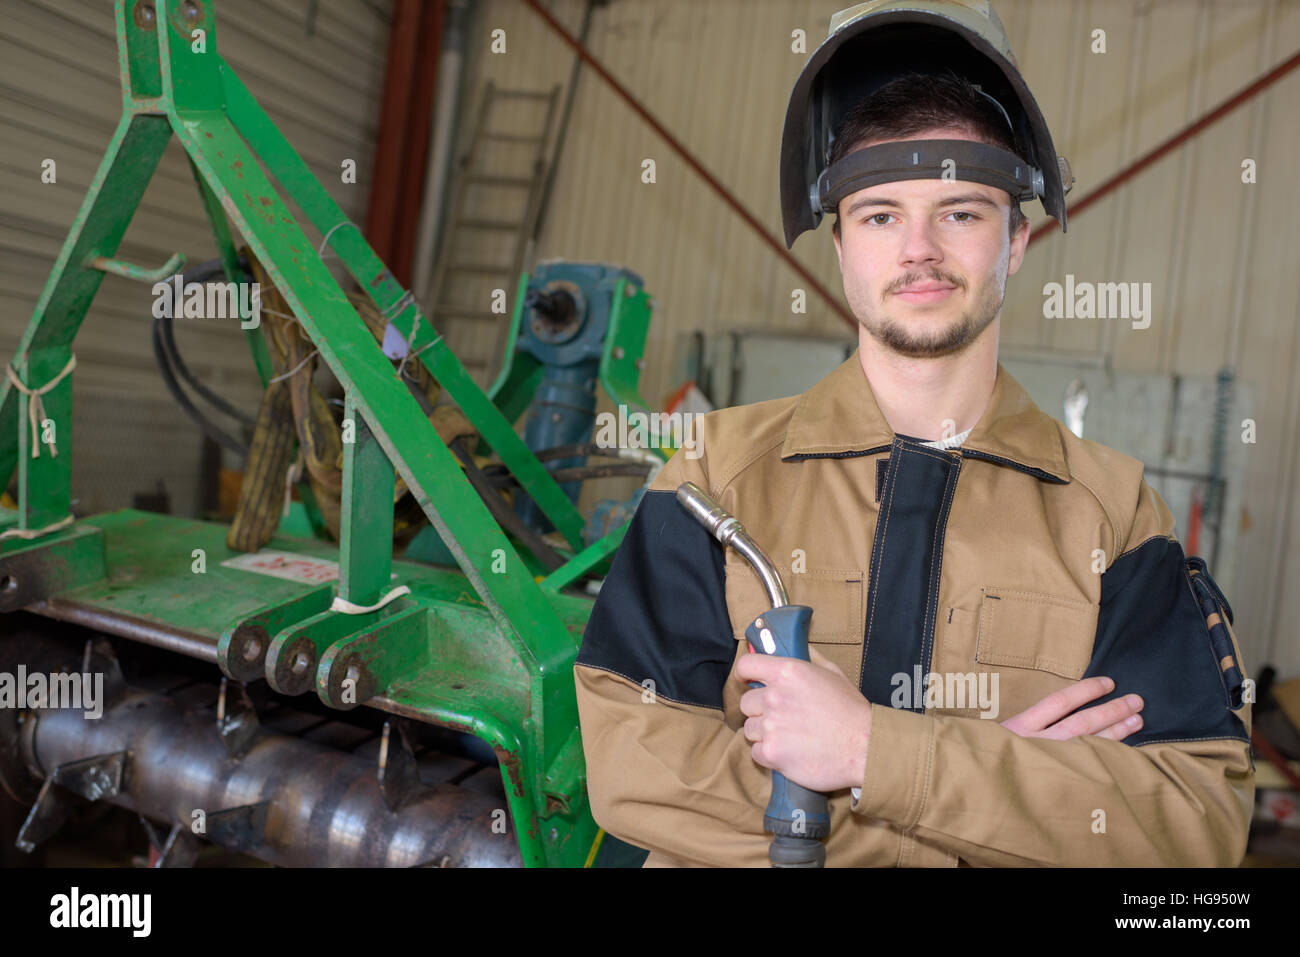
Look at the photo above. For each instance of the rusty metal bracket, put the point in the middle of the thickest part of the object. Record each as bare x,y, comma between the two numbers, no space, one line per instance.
179,849
398,775
237,722
33,572
359,666
293,657
99,657
47,815
90,779
243,645
238,828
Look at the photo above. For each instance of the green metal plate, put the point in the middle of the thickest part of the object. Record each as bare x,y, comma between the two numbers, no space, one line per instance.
150,561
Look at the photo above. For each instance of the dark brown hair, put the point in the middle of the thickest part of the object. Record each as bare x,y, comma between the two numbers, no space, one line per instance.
912,103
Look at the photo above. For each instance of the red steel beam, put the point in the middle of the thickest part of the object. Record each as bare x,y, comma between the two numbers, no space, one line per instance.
399,76
418,121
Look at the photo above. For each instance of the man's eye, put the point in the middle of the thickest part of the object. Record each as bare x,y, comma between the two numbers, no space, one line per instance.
874,219
970,217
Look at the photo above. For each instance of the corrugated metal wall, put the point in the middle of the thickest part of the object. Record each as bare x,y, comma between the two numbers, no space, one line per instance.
320,81
1221,255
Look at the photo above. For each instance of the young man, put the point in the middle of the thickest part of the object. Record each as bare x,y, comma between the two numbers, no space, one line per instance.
995,600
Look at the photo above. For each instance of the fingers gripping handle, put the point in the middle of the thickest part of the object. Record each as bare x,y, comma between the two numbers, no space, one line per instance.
797,817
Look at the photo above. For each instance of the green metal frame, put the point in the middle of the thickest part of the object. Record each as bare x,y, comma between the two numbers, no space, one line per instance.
497,664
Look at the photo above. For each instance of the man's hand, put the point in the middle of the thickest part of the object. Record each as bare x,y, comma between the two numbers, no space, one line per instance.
808,722
1115,719
812,725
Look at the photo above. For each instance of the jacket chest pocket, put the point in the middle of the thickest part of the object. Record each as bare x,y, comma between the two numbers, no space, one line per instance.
1020,647
834,595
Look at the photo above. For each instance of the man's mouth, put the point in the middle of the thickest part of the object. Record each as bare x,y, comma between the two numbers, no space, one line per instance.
925,292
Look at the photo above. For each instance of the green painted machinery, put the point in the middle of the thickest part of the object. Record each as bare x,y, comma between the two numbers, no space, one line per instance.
486,648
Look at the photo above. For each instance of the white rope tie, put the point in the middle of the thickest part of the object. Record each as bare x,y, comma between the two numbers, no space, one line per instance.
326,241
397,307
35,407
347,608
408,355
37,532
292,318
294,371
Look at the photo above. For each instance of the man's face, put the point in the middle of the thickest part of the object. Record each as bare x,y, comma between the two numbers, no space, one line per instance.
925,261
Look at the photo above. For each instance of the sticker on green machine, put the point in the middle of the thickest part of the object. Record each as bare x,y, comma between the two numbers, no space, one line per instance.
289,565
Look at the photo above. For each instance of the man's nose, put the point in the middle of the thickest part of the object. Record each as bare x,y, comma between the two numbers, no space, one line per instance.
920,244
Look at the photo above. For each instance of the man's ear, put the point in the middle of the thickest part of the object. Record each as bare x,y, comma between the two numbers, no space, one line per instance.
839,249
1019,243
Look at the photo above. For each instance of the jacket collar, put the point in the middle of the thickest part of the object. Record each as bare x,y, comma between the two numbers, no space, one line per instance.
839,416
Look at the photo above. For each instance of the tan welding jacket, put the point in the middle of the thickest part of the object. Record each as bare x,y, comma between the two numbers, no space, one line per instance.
1027,554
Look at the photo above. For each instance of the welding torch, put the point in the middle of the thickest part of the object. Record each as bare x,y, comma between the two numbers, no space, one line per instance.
797,818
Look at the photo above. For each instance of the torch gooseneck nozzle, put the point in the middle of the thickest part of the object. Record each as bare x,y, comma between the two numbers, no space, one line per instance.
726,528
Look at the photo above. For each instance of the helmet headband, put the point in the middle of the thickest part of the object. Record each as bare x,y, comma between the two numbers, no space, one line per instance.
966,160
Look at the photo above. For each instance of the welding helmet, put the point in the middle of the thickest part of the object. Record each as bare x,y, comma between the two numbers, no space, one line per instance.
869,44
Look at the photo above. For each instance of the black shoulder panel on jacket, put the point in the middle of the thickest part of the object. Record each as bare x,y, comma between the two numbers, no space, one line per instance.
1153,640
662,612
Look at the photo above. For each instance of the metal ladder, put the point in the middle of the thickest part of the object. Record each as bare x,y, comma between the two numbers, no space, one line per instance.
469,264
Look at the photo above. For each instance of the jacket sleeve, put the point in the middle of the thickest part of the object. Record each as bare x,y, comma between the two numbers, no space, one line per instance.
665,770
1179,792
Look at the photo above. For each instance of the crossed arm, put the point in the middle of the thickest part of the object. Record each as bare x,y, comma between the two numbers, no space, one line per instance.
810,724
1045,787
